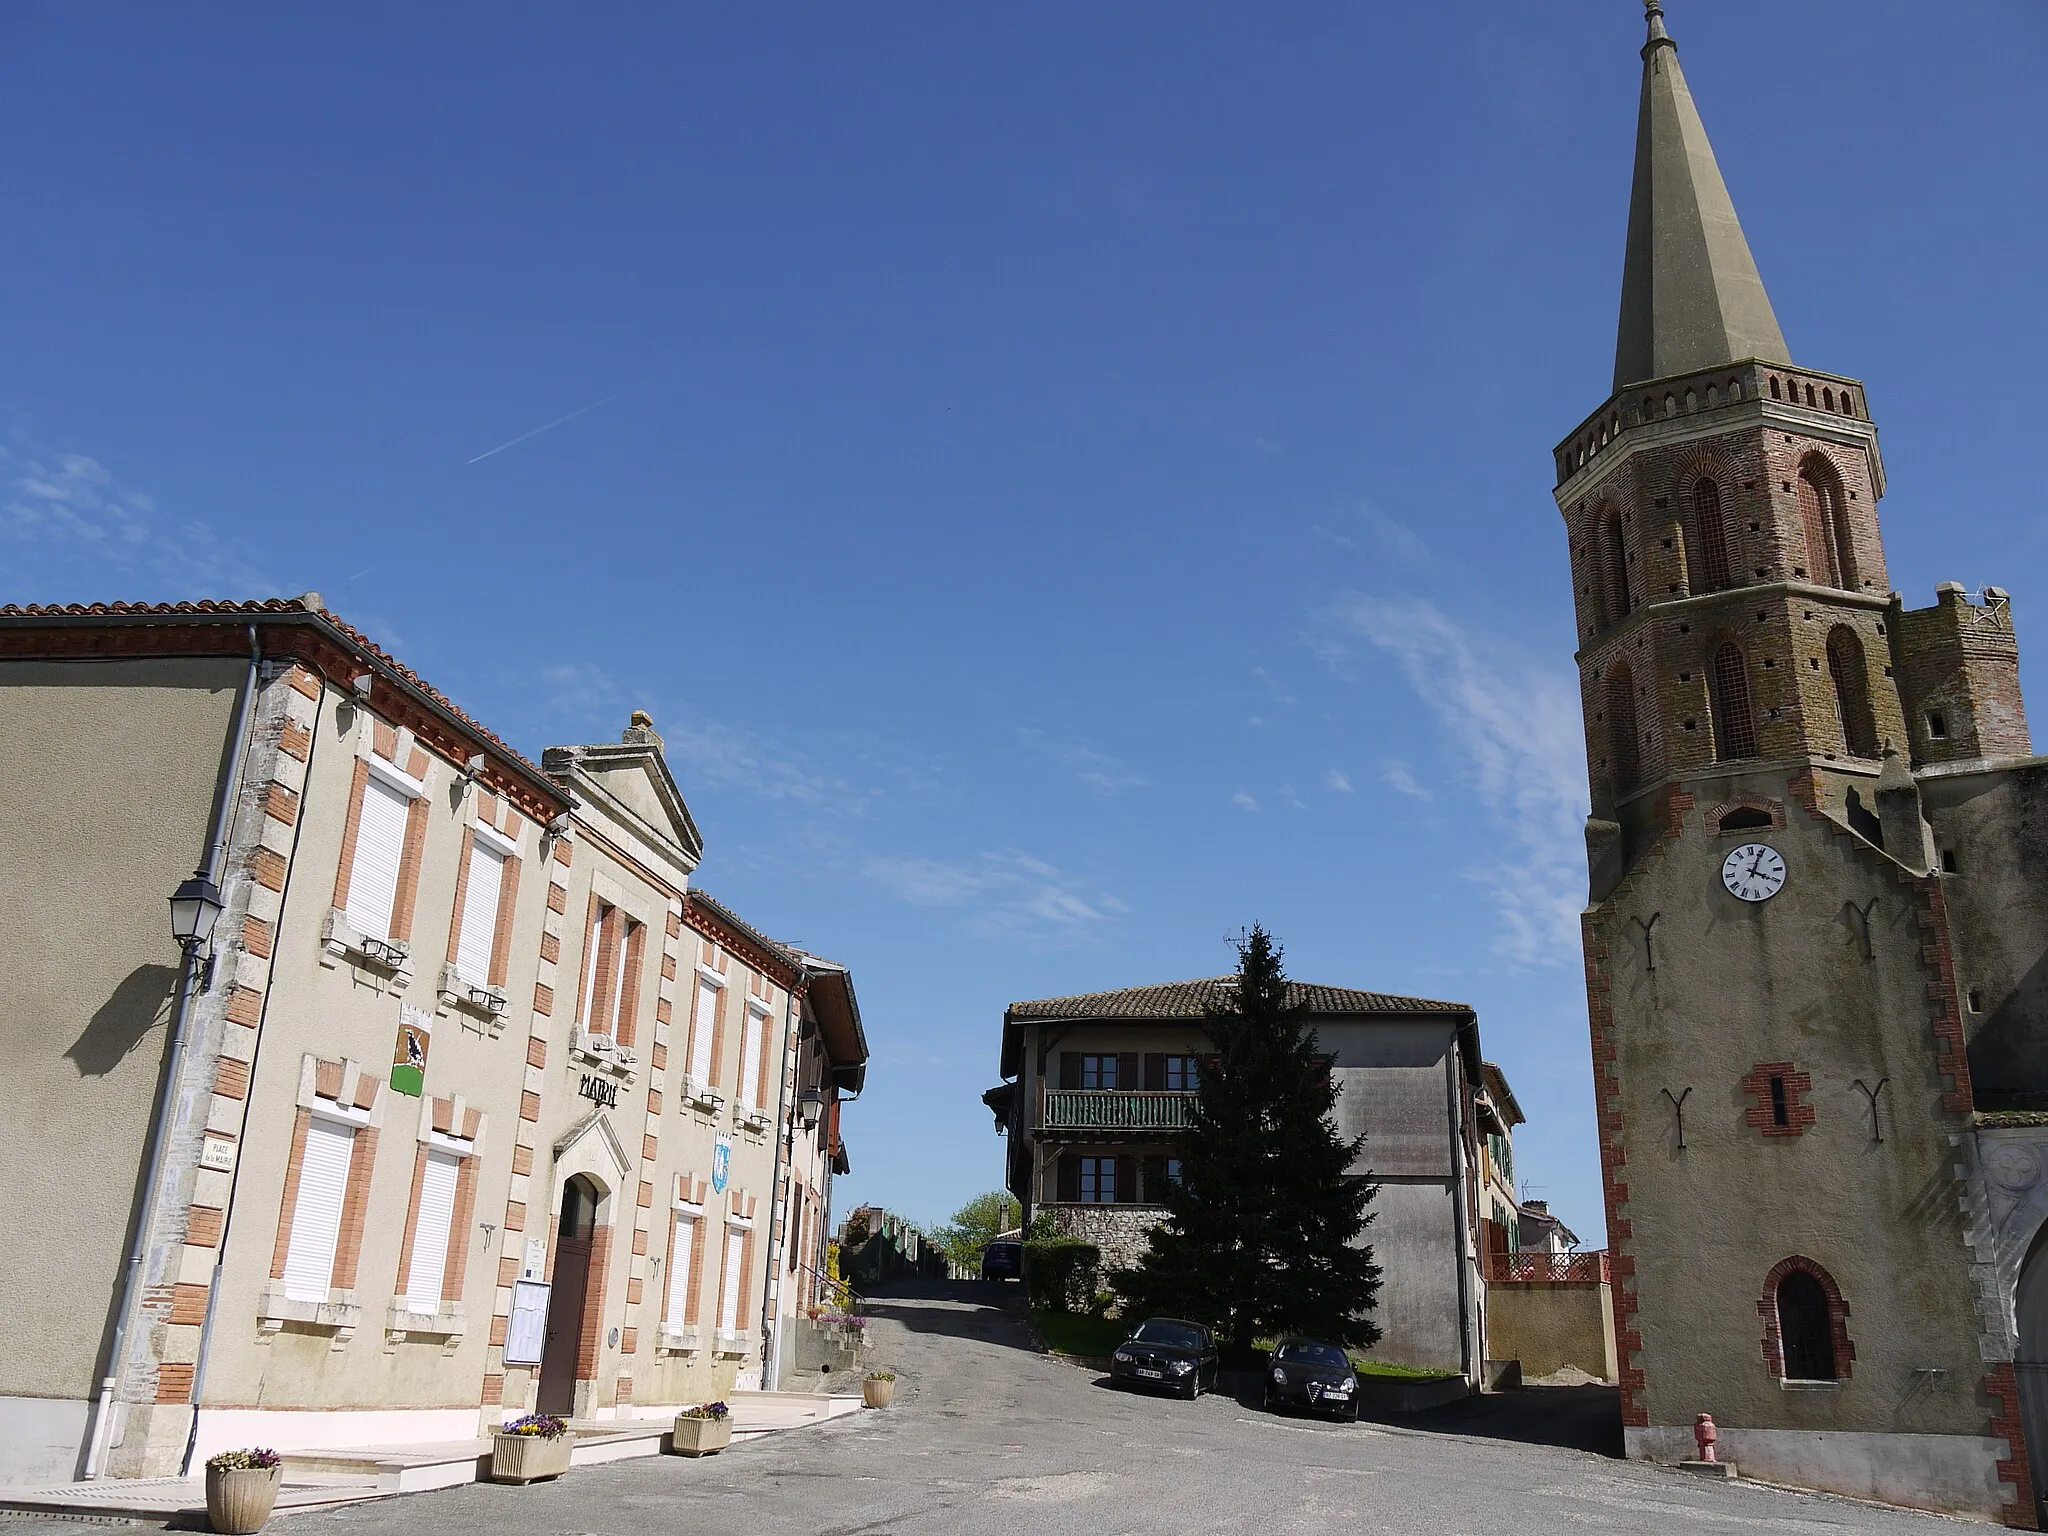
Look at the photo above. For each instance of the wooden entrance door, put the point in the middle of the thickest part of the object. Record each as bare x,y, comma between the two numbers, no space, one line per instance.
569,1300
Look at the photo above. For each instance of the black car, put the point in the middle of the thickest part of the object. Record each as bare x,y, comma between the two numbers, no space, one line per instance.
1167,1353
1002,1260
1307,1373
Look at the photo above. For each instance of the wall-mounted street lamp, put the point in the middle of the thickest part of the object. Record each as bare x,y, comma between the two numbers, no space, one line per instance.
810,1104
195,908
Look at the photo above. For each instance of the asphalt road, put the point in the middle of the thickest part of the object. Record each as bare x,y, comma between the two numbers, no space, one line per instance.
990,1438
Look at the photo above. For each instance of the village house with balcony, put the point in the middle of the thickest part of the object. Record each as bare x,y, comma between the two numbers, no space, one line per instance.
1098,1090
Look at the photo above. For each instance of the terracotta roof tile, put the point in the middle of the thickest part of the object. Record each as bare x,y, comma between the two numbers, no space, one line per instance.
1192,999
212,608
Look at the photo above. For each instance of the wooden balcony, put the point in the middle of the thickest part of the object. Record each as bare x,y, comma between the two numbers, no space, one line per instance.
1098,1109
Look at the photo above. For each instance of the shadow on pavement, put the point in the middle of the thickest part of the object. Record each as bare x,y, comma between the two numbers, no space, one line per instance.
991,1312
1576,1418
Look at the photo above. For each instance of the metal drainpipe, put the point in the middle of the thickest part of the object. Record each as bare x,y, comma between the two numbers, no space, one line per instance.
1457,1099
220,1252
783,1146
218,829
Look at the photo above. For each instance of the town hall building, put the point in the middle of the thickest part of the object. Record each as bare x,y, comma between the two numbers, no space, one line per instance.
1819,895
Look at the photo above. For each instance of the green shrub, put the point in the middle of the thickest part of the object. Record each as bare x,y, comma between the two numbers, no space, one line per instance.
1060,1271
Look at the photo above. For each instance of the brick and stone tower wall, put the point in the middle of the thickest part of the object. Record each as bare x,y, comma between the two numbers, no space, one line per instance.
1784,1065
1729,577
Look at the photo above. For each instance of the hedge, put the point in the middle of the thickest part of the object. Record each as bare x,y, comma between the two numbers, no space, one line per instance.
1060,1273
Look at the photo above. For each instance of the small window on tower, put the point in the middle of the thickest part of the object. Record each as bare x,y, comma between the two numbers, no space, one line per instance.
1949,863
1976,1000
1937,725
1780,1115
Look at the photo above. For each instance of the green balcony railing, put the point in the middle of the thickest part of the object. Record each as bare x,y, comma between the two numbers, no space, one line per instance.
1096,1109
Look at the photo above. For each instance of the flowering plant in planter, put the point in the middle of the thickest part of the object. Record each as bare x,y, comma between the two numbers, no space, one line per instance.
881,1376
706,1411
255,1459
541,1425
857,1326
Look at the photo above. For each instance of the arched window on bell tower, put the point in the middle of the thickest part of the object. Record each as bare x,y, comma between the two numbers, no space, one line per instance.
1709,539
1613,567
1728,696
1852,692
1830,545
1626,770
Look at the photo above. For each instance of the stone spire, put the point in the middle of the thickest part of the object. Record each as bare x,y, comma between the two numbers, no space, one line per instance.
1690,293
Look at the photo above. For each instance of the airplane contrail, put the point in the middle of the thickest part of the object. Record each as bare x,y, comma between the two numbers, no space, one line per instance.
558,421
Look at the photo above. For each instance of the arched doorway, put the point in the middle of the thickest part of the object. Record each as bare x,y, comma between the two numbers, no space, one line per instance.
578,1289
2030,1315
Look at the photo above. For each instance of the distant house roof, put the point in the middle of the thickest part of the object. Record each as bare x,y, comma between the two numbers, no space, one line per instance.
1172,1001
1192,999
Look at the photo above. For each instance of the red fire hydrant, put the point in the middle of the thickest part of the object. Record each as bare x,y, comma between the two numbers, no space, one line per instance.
1704,1435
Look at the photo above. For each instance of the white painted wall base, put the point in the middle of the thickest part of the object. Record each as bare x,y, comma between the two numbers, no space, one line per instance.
42,1439
283,1429
1954,1474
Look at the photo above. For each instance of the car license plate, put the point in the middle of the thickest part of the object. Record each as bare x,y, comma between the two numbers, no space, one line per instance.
1147,1371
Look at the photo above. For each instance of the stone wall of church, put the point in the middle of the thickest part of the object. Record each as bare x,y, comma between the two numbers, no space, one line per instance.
1697,998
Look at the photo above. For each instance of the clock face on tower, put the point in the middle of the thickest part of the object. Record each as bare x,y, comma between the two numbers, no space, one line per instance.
1753,872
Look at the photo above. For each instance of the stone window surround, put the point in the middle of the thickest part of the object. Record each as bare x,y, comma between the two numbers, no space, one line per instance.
340,1312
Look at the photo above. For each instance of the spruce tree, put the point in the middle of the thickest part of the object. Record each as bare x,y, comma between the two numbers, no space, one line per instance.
1260,1237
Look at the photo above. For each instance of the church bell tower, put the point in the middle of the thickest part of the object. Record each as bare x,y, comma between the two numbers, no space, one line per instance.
1787,990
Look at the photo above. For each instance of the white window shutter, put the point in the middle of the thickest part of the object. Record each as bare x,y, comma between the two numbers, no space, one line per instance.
480,914
380,845
429,1265
700,1032
679,1269
750,1050
729,1292
316,1215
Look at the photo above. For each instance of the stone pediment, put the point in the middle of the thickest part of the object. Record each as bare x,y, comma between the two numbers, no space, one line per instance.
628,782
593,1149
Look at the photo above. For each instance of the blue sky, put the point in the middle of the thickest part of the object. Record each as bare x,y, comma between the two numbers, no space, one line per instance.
1071,480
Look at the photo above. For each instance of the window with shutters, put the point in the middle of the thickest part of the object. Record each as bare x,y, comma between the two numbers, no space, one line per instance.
486,901
734,1279
614,953
316,1209
751,1033
1098,1072
703,1031
679,1307
378,872
426,1270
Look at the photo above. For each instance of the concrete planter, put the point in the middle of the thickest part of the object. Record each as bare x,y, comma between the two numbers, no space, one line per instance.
239,1499
529,1458
701,1437
877,1392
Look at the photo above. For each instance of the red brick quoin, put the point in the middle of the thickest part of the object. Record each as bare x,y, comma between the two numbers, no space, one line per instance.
1838,1316
1789,1097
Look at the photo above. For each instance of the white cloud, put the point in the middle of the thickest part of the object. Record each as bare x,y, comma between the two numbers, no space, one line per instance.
1336,783
73,532
703,754
1244,801
1514,731
1287,793
1100,771
1004,895
1396,773
1396,538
